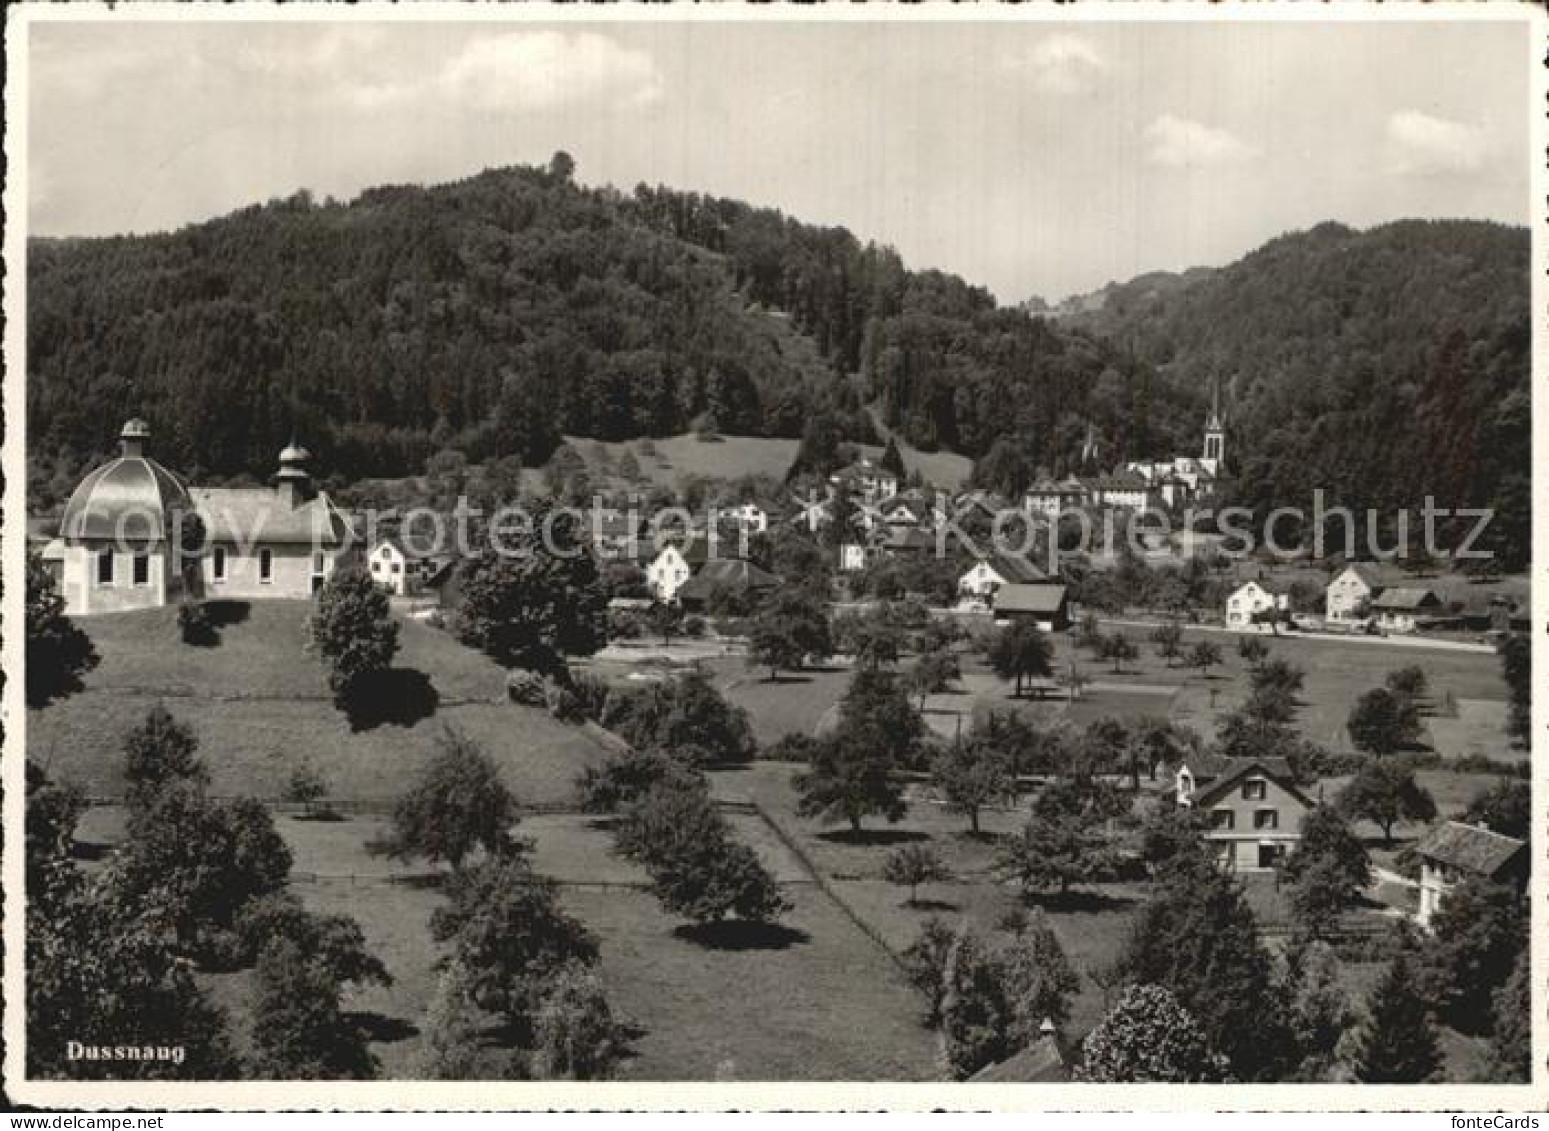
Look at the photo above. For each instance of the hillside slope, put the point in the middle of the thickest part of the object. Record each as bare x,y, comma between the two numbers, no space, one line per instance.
1378,365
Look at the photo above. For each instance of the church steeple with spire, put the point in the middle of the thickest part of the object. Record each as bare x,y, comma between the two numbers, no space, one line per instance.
1215,431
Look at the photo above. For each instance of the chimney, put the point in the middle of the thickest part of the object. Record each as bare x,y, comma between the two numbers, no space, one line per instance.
131,440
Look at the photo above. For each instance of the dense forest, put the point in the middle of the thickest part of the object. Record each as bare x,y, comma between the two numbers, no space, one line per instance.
1380,366
494,314
491,315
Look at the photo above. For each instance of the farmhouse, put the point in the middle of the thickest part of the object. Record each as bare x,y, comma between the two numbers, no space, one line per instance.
117,536
1045,604
1351,592
1249,600
1454,852
1255,807
733,575
993,571
670,570
389,565
1404,609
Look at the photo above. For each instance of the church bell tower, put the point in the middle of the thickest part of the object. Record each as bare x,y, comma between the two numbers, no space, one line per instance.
1215,432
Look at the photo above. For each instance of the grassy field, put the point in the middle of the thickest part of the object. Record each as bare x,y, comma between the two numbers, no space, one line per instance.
731,457
260,705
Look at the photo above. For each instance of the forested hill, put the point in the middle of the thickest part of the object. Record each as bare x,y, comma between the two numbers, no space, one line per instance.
1380,365
492,314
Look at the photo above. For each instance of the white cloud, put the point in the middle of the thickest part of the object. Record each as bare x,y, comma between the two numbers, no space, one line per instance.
524,71
1421,144
1062,64
1179,143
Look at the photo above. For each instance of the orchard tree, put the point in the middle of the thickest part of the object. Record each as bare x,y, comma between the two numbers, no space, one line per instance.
1382,722
1205,655
457,803
665,619
1253,650
1168,638
972,774
1385,792
789,629
353,630
1040,980
1397,1044
537,603
335,941
850,777
1120,650
686,718
934,672
300,1031
912,865
1506,808
158,752
198,862
503,923
577,1037
1063,842
1019,652
1148,1037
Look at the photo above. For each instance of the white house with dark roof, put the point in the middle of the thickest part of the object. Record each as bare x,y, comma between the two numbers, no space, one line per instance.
117,536
1349,594
1453,852
993,571
1249,600
1254,805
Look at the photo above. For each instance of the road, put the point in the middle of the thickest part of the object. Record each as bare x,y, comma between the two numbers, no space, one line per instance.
1413,642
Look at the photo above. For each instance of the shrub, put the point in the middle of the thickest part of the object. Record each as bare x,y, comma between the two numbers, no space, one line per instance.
526,688
562,701
194,624
694,626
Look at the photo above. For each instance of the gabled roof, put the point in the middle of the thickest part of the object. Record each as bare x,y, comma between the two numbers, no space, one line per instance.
1404,598
1043,1061
1039,597
1469,848
735,573
1277,770
262,515
1366,571
1013,568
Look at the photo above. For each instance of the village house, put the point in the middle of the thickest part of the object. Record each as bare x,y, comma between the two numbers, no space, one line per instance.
117,534
1405,609
1125,490
749,516
869,481
1351,592
1251,600
1453,852
673,565
1050,498
1254,806
991,572
854,556
1045,604
735,576
388,563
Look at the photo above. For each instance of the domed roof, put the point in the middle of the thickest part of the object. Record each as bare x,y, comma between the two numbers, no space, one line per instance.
128,497
294,453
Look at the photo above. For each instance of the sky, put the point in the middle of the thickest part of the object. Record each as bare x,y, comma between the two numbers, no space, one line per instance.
1039,158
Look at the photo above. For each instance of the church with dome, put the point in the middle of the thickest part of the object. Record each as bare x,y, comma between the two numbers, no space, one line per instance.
119,535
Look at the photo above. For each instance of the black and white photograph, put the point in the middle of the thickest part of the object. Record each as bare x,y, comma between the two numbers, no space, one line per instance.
973,555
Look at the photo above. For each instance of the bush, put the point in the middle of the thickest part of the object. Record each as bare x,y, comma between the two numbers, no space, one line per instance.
694,626
527,689
591,694
795,747
563,703
194,624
